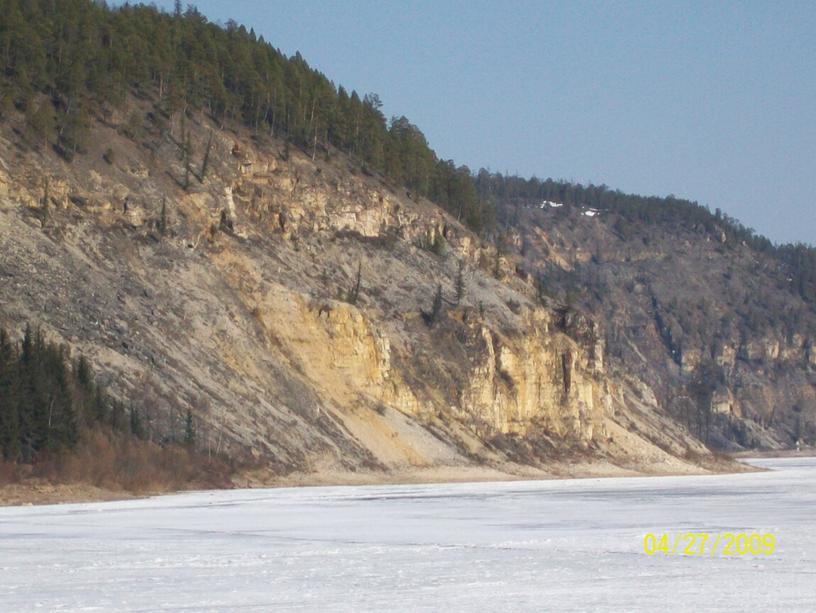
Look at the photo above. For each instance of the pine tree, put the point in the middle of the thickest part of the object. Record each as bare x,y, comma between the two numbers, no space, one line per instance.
44,203
206,160
82,372
33,400
163,217
187,152
438,244
436,308
61,423
354,293
46,401
500,248
9,399
541,290
6,105
137,429
117,420
41,124
189,430
460,282
99,409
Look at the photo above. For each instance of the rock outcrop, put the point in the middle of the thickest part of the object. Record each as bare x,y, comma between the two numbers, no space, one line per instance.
714,330
285,301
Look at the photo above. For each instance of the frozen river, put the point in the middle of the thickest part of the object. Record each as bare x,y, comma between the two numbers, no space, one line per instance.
566,545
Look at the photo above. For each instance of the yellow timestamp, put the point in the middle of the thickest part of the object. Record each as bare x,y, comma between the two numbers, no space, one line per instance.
705,544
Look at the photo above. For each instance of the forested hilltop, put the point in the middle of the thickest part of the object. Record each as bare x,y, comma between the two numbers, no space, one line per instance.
500,191
66,62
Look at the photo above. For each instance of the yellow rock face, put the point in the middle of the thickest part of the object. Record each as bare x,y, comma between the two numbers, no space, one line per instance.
539,380
241,325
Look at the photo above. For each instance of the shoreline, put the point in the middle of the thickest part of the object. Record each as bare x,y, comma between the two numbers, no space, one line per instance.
773,453
39,493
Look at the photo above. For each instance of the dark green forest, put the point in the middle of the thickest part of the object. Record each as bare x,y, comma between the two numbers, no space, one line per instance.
47,400
87,59
69,62
57,423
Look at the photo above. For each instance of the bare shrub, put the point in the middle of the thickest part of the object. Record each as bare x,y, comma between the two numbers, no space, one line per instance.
112,461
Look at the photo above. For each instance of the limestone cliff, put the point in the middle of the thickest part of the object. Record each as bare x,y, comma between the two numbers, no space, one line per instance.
284,301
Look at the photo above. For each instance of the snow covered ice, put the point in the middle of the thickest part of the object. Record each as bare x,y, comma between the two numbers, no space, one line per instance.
566,545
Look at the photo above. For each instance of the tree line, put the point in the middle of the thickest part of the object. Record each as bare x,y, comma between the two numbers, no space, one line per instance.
65,63
500,190
47,400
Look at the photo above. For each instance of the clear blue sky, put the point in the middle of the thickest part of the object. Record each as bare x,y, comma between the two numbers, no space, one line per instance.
713,101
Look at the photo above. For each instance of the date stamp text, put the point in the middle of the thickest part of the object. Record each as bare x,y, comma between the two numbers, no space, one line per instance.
705,544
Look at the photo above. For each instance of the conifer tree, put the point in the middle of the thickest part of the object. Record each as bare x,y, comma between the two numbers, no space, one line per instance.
189,429
500,249
61,420
436,308
541,290
41,124
354,293
187,146
44,203
137,428
206,160
33,401
460,282
9,399
117,419
163,217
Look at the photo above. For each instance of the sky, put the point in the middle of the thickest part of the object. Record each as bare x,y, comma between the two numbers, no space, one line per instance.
711,101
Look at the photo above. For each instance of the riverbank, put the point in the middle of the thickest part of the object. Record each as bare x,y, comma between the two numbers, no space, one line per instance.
39,491
809,452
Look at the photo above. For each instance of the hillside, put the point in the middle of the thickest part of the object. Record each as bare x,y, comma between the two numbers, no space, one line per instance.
242,249
719,329
234,299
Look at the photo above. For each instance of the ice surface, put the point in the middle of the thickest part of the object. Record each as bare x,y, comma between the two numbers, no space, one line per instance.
566,545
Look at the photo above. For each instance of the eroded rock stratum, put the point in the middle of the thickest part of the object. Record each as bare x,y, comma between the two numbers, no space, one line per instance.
237,304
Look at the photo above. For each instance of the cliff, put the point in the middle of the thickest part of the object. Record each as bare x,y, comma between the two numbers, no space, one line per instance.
286,301
714,327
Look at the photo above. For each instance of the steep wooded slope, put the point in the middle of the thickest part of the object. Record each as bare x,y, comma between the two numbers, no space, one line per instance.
718,328
227,233
238,299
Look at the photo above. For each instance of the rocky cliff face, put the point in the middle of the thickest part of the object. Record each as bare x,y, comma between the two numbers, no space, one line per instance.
541,380
286,302
713,329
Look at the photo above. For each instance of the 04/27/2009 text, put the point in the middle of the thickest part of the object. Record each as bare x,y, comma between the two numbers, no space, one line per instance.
705,544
